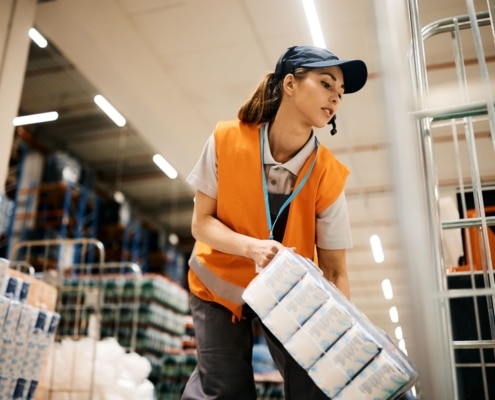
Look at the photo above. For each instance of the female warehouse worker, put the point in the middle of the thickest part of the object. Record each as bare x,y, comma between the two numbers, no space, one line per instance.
263,182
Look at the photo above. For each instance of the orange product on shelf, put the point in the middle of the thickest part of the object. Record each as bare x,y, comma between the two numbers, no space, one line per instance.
473,237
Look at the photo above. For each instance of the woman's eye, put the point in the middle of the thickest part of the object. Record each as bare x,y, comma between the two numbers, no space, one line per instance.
329,86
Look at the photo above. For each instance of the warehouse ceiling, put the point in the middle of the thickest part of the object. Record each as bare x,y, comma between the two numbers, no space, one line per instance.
175,67
118,159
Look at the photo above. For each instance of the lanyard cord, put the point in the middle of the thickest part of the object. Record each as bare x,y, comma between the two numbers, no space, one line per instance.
265,185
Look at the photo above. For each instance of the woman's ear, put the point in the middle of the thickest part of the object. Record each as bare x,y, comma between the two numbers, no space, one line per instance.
289,83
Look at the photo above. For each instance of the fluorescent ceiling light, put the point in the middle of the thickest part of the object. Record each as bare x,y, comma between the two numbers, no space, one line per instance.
173,239
37,38
35,118
394,314
110,110
387,289
314,23
376,248
165,166
398,333
119,197
402,346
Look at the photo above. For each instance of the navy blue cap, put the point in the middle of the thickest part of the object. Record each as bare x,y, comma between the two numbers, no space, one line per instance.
355,71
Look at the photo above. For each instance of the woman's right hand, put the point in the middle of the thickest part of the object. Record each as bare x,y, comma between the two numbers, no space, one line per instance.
208,229
262,251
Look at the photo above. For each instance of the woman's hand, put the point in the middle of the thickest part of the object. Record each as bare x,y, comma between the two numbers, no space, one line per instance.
208,229
263,251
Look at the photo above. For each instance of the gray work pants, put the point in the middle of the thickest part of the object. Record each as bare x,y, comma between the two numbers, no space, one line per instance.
224,369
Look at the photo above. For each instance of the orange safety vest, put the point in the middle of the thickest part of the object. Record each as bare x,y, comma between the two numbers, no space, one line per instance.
222,278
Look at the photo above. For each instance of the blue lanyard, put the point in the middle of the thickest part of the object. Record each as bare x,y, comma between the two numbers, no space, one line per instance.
265,186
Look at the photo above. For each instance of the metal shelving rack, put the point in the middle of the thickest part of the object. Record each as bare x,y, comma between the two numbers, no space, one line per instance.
471,354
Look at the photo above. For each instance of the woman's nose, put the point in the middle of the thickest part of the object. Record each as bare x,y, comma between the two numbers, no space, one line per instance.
335,98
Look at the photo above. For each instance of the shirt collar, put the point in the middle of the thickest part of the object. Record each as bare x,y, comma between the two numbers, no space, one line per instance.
295,164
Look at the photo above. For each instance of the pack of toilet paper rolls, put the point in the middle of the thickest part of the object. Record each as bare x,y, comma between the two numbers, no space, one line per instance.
26,333
346,355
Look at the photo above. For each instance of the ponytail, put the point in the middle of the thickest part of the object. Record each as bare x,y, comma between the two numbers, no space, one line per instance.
264,102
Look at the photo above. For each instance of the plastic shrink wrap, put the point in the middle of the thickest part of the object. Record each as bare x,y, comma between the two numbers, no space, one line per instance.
347,356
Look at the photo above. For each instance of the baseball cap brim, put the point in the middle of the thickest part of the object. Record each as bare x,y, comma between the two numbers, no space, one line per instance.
355,72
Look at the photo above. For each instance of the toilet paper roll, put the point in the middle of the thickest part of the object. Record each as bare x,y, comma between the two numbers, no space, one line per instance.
348,355
318,333
260,299
295,308
382,378
282,273
281,323
274,282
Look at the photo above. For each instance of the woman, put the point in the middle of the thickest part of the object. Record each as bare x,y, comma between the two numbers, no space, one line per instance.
263,182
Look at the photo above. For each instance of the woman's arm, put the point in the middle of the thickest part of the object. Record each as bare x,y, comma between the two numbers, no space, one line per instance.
208,229
333,265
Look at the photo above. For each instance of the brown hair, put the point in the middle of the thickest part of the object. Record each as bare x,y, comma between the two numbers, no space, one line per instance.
263,104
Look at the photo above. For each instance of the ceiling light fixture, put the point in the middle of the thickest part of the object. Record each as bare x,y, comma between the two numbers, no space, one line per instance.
398,333
173,239
35,118
119,197
376,248
165,166
37,38
110,110
387,289
394,314
314,23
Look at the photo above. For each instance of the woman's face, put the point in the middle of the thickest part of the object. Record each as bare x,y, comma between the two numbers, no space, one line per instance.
317,96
